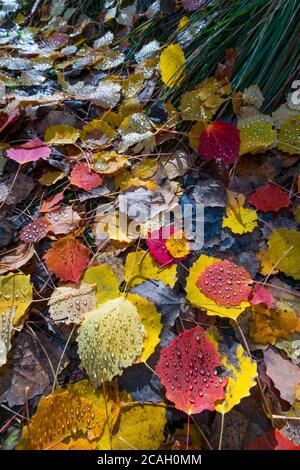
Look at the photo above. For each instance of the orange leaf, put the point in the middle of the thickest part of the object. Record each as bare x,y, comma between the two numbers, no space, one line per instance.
67,259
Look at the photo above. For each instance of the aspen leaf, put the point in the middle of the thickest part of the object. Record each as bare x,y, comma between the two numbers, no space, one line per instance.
109,163
200,300
32,151
6,329
256,136
270,198
160,245
61,134
104,280
15,291
51,177
239,219
194,135
178,247
188,370
63,220
67,259
83,177
220,140
110,339
284,251
64,413
273,440
269,325
35,230
150,318
289,136
69,304
140,265
172,65
141,427
241,371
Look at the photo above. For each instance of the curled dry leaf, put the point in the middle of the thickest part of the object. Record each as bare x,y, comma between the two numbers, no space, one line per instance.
16,258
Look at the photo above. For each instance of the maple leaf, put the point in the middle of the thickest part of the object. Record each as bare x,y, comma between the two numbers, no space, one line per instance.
15,291
32,151
220,140
35,230
140,266
67,259
270,198
85,178
141,427
188,370
225,283
284,251
69,304
110,339
61,134
241,371
64,413
200,300
269,325
273,440
172,63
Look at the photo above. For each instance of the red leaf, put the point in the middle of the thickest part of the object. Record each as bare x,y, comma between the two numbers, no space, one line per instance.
32,151
158,249
220,140
270,198
67,259
52,204
83,177
35,230
273,440
6,119
225,283
187,369
261,295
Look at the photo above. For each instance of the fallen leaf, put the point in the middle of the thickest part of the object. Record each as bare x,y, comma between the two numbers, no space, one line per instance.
16,291
270,198
269,325
69,304
220,140
32,151
84,177
178,369
61,134
172,65
67,259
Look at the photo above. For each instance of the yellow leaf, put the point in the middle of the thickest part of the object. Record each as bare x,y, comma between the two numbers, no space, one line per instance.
98,130
239,219
269,325
140,266
51,177
132,84
203,102
183,23
284,251
141,427
172,65
105,281
289,136
15,291
241,371
63,414
256,136
126,180
109,162
177,245
61,134
110,339
266,265
150,318
198,299
194,135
